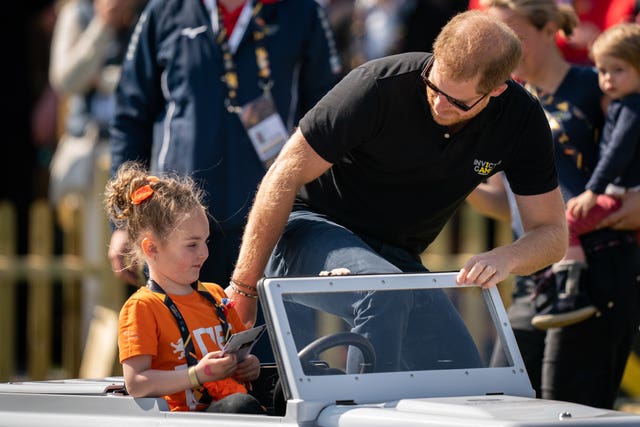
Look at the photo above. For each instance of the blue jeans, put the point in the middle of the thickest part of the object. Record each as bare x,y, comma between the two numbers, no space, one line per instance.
409,330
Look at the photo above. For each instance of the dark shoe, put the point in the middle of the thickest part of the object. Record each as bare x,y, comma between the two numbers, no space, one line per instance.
543,290
573,304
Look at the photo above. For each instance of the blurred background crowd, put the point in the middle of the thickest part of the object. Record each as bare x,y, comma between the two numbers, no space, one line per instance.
33,113
62,59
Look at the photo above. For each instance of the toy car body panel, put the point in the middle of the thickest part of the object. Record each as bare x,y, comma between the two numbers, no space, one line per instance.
361,351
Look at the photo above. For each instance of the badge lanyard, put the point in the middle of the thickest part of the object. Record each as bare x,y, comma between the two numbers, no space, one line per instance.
229,44
259,117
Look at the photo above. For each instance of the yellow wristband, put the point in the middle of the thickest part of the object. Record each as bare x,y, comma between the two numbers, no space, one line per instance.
193,377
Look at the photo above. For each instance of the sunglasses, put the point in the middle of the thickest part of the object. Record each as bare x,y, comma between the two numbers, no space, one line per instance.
453,101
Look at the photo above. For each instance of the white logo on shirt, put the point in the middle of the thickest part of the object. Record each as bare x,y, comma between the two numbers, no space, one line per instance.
178,347
193,32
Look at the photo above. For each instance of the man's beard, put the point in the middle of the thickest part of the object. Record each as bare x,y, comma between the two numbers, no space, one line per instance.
452,116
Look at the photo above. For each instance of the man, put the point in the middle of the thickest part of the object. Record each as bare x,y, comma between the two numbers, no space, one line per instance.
211,88
380,164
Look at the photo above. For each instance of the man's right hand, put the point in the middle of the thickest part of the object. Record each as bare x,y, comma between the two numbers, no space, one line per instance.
118,250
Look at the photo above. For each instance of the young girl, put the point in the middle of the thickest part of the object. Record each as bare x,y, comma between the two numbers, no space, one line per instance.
616,53
172,330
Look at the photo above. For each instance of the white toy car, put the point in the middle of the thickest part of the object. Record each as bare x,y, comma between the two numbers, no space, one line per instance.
447,382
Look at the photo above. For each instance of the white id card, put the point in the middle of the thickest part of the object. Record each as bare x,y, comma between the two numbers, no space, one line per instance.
241,343
265,128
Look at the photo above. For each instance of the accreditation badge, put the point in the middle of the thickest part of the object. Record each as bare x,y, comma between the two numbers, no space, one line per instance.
265,127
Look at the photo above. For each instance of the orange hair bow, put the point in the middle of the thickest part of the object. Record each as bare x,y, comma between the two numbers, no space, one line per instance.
143,193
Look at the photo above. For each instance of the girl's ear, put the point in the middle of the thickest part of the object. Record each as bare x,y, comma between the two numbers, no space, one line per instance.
149,247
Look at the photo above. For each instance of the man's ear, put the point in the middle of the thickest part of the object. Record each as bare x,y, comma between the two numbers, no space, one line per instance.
498,91
149,247
550,30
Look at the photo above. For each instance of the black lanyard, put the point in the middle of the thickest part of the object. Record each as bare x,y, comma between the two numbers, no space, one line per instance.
184,330
230,76
201,393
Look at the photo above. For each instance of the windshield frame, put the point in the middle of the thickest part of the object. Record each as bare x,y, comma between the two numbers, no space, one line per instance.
386,386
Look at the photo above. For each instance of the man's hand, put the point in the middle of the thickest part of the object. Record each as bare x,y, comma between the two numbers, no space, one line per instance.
627,217
486,269
118,250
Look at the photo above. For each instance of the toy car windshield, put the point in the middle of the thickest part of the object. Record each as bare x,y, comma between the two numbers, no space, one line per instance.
421,333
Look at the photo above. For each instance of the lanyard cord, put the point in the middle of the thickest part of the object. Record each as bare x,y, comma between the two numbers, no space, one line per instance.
230,76
201,393
182,325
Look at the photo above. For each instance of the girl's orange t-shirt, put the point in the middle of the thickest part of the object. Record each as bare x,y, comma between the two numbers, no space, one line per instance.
147,327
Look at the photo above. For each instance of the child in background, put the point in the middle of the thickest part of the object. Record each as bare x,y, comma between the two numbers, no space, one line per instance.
616,53
172,330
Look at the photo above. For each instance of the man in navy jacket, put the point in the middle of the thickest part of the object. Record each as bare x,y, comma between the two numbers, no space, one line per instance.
176,107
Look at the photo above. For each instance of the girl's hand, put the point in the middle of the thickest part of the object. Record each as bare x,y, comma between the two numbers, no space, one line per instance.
248,369
215,366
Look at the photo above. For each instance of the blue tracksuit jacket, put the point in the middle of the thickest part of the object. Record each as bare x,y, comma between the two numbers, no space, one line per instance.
170,99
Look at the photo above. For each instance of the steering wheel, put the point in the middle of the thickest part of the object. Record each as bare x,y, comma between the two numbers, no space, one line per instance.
312,351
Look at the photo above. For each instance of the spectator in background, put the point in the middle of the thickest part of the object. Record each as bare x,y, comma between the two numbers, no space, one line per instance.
88,46
340,16
616,53
89,43
386,27
594,17
190,69
598,347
